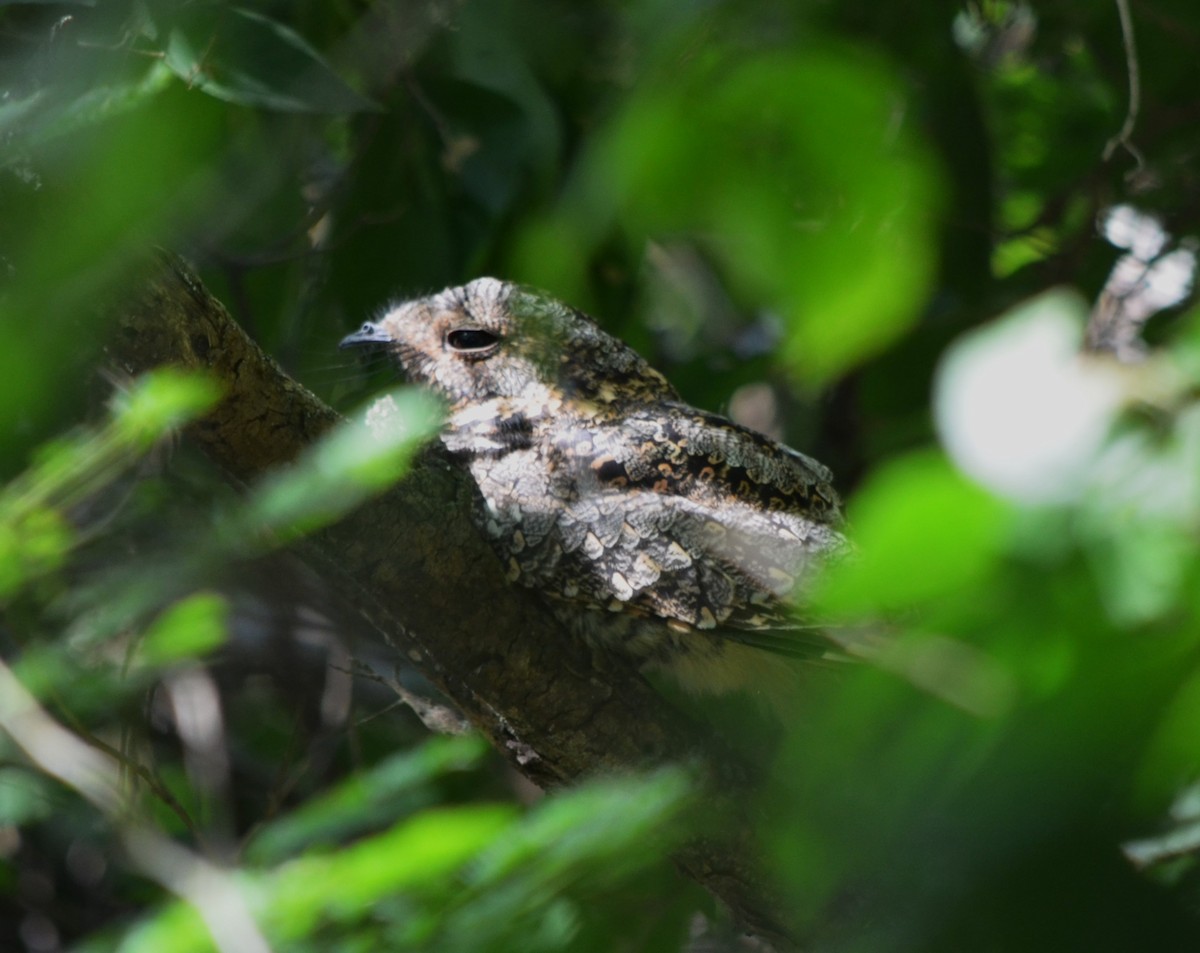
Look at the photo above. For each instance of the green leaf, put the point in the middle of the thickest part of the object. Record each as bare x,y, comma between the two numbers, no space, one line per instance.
38,120
161,401
747,156
925,532
531,888
1173,755
31,544
24,797
364,801
191,627
347,466
609,824
242,57
418,853
177,928
35,536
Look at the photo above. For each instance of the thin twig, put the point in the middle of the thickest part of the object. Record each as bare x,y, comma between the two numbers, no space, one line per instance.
440,719
143,774
1122,138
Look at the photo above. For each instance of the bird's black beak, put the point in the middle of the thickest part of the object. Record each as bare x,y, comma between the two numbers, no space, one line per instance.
369,333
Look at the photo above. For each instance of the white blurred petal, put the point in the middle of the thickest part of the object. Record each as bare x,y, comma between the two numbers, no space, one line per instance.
1145,289
1126,227
1019,409
1169,280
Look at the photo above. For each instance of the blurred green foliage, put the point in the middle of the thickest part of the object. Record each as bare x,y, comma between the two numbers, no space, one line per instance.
800,207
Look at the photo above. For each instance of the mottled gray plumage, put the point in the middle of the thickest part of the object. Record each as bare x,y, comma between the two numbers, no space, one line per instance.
668,532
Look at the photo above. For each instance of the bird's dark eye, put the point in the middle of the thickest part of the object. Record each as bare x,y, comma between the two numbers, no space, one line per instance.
471,339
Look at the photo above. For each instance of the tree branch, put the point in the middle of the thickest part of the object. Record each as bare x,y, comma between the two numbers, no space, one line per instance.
415,567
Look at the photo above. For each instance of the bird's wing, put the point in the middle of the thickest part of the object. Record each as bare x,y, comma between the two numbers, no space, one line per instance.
677,450
734,571
684,515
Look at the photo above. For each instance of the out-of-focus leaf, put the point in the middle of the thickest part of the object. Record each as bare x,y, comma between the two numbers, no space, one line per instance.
176,928
1185,348
600,834
294,901
24,797
66,470
161,401
508,129
417,854
1141,569
246,58
191,627
89,202
34,534
348,465
602,819
1026,249
1173,756
572,845
952,670
748,155
38,121
11,114
924,532
364,801
32,543
1139,515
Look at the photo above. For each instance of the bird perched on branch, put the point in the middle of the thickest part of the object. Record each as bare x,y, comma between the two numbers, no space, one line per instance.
662,531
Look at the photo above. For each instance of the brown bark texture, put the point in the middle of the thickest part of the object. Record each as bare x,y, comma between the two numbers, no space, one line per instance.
411,562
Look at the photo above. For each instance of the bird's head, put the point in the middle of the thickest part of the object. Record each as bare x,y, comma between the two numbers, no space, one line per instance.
491,338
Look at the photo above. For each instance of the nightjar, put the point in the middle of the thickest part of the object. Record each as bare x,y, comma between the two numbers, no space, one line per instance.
663,531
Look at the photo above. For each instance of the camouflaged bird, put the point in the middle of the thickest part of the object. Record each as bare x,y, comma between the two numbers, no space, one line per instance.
666,532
